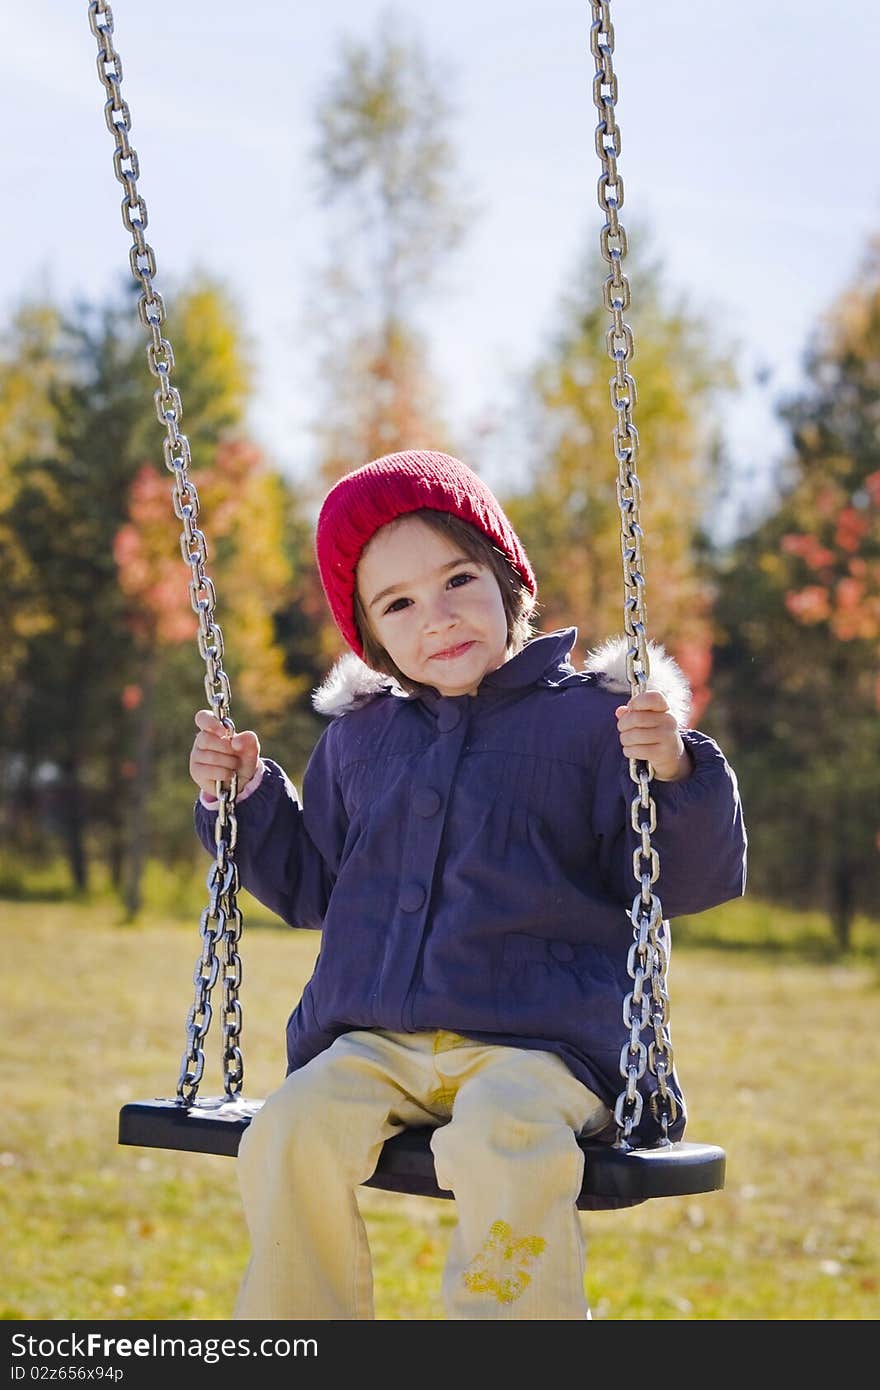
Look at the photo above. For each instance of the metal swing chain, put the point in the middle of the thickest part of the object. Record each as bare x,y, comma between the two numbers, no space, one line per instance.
647,1004
221,921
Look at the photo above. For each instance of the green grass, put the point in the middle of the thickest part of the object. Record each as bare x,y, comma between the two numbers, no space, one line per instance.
772,1047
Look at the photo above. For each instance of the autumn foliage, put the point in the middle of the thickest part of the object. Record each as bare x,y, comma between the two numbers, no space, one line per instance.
799,609
149,574
839,562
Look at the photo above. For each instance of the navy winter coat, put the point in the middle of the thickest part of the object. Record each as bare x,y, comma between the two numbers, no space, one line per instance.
469,859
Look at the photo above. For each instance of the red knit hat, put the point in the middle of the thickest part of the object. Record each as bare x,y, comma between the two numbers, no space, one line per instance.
371,496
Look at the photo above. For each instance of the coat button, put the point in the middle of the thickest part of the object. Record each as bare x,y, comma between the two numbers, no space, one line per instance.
561,950
412,896
426,801
447,718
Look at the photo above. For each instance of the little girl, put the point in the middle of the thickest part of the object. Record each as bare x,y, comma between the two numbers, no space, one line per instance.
464,843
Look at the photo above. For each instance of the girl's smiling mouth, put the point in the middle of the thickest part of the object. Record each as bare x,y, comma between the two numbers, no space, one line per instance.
452,652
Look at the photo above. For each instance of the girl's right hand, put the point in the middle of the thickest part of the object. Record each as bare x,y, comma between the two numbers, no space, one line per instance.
216,755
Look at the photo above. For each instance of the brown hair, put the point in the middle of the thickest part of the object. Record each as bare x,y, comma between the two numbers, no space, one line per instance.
519,605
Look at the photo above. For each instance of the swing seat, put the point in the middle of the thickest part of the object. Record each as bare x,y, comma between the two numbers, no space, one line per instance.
612,1177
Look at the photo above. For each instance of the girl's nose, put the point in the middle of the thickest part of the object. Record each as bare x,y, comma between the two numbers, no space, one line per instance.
441,613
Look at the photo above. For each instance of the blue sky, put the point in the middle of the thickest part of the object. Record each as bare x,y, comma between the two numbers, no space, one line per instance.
749,161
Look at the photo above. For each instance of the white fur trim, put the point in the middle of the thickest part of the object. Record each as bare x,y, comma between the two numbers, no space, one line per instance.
608,662
350,683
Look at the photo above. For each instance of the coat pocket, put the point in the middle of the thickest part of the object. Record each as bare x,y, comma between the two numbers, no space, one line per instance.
552,988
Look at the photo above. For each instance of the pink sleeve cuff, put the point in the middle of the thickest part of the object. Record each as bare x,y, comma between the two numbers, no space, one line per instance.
211,802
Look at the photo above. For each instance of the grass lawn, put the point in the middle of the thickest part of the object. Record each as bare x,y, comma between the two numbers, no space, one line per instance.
767,1043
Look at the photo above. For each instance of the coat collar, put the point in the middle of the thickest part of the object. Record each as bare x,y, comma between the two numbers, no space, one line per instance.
546,655
545,660
352,683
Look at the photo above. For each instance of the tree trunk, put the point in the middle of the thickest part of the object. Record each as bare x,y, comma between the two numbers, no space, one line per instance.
73,821
116,855
138,819
842,894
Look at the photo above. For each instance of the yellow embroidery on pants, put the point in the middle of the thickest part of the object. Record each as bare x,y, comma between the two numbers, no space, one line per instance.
501,1266
444,1042
442,1099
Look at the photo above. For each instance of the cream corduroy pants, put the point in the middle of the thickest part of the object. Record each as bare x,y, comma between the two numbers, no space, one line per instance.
504,1143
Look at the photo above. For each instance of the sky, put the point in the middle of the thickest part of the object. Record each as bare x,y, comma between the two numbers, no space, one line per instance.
749,160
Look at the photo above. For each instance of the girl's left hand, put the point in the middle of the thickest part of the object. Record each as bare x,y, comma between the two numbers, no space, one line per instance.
648,730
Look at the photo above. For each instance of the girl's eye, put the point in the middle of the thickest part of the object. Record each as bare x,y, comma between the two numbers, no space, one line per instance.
462,575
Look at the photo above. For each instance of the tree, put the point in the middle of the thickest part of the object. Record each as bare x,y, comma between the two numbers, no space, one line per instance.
385,167
567,511
244,509
81,433
31,367
800,601
67,483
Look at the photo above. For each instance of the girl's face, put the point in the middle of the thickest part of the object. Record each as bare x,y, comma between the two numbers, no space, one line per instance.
438,614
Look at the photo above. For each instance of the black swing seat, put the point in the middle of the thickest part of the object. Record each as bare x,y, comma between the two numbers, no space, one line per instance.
612,1176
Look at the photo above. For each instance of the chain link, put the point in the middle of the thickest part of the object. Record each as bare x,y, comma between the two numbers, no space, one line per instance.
221,920
647,1005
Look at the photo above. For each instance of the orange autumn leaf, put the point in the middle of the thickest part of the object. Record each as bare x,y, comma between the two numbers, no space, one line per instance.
809,605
